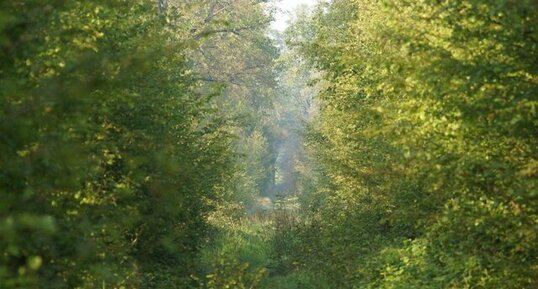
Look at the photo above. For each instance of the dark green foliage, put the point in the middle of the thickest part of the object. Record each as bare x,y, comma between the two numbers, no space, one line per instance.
132,139
108,154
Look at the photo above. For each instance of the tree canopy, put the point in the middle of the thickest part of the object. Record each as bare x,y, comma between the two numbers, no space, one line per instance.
184,144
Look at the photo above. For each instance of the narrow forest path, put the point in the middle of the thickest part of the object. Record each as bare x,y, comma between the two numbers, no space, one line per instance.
142,143
253,252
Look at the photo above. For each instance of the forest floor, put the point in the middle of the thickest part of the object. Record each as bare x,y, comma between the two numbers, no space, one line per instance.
250,252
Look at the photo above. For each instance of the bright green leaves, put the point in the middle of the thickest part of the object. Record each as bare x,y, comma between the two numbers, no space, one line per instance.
425,133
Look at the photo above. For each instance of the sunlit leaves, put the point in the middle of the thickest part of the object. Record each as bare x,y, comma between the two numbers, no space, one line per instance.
429,111
110,154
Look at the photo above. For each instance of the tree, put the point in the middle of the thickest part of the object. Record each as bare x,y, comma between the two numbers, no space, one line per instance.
424,105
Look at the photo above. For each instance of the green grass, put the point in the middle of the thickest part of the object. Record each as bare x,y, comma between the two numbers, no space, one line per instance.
243,255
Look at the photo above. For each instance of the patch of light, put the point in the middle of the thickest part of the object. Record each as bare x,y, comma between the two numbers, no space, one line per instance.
285,10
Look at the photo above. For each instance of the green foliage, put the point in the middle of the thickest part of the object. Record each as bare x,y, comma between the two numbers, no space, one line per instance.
109,153
425,141
237,256
134,137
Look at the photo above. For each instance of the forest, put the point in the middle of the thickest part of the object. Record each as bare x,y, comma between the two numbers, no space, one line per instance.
156,144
